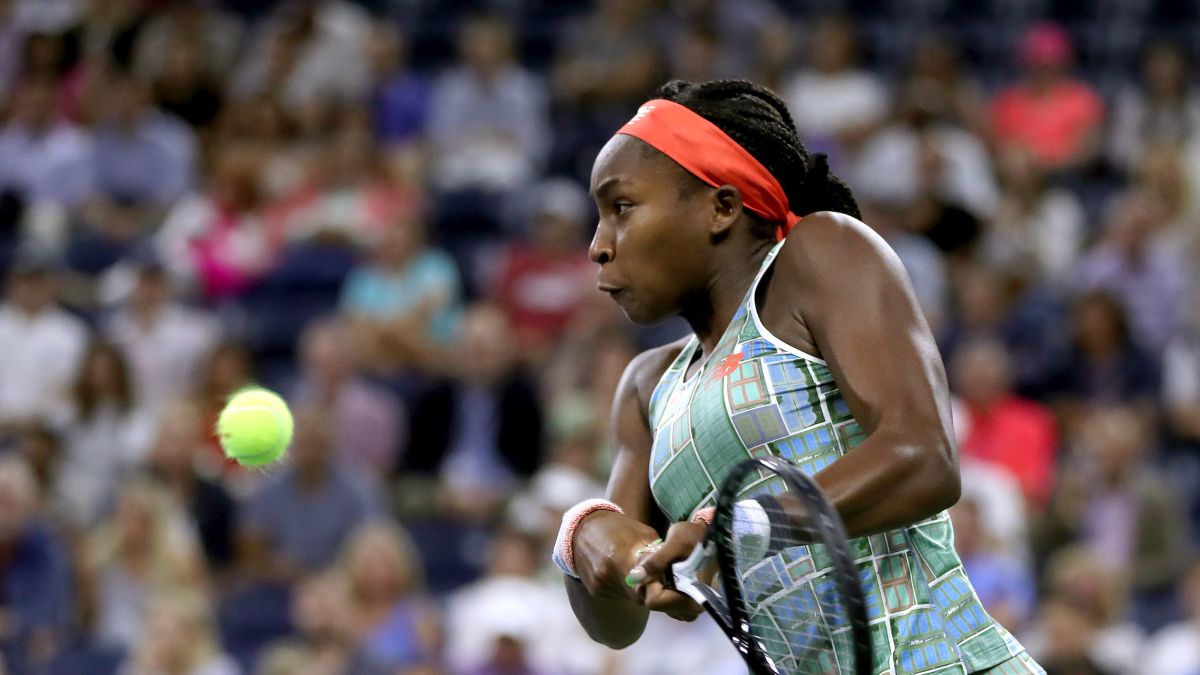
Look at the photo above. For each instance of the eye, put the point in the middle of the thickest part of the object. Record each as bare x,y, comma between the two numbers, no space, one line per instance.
621,206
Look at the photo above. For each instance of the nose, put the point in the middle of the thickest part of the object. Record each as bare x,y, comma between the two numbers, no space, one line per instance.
601,248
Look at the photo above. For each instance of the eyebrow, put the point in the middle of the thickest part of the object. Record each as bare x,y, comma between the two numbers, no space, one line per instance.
606,186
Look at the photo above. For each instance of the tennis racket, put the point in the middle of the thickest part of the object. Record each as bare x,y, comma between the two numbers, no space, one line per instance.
775,572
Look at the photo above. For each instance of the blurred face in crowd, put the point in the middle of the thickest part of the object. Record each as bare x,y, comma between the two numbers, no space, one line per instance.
34,104
311,444
982,372
321,608
18,498
1165,72
324,354
381,568
486,46
171,633
31,292
486,343
127,99
183,63
228,370
104,371
135,515
180,433
1115,440
152,291
400,242
935,60
387,50
833,45
1099,324
513,555
236,176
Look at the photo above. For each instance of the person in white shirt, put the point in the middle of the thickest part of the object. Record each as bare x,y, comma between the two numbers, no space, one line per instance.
1175,649
165,343
40,348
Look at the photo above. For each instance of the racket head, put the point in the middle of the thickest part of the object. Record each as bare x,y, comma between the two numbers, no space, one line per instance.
793,600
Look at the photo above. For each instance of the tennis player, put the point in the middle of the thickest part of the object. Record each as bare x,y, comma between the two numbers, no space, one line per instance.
807,343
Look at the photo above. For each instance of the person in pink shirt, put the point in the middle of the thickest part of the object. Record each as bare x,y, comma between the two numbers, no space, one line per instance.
1049,113
1013,433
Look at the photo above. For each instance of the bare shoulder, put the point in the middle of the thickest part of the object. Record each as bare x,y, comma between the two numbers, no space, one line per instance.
646,369
826,243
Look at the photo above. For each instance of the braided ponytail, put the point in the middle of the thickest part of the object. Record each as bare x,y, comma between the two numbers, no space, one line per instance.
760,122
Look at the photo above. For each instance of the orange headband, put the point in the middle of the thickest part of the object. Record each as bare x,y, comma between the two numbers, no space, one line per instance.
709,154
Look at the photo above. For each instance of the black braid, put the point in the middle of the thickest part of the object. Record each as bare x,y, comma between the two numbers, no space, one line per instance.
760,122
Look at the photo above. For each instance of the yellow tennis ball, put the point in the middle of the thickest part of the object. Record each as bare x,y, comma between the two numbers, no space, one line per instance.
255,427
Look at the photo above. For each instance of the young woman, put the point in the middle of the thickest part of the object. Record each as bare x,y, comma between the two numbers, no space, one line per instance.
808,344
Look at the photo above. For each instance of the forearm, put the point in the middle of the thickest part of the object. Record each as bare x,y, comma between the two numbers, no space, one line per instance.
886,483
613,621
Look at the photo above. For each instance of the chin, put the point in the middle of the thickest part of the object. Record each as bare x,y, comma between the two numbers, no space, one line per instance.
641,315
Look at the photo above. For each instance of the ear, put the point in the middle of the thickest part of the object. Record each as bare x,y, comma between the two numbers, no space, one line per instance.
726,210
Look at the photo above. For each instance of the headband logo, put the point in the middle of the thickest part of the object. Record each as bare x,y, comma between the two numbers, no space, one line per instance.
642,112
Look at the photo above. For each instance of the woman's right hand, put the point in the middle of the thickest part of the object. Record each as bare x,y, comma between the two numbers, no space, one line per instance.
607,546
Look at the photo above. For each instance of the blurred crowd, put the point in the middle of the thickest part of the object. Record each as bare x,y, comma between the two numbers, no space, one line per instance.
380,210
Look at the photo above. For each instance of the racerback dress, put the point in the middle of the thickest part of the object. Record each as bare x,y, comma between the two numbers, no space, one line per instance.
756,396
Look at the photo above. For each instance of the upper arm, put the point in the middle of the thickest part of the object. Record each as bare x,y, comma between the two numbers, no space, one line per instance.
629,483
851,291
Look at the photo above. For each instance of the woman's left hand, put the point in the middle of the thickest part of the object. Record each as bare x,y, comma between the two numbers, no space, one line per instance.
648,573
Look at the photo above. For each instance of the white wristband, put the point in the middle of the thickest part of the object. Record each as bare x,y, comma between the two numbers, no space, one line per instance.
564,554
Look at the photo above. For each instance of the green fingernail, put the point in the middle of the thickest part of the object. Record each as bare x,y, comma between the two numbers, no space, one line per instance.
658,541
630,580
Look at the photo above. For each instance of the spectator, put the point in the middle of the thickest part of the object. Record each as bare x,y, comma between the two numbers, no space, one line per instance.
1148,276
937,63
325,640
144,548
182,84
164,342
308,55
489,124
38,600
1163,175
834,103
1181,379
369,422
1175,649
1081,628
404,302
397,623
540,283
41,447
1104,365
1038,229
143,161
1119,507
1003,582
481,430
919,153
1051,115
107,436
349,199
40,347
740,35
297,520
216,35
400,96
1003,429
174,461
1162,107
180,639
510,622
218,241
43,158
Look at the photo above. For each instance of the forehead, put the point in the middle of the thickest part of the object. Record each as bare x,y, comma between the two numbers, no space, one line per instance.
628,160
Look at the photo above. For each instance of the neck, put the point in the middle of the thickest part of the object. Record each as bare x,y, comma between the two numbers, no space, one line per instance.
712,309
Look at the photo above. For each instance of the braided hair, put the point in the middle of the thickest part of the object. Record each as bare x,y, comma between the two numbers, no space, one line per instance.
760,122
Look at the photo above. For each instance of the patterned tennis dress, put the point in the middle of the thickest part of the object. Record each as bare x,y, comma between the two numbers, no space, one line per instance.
757,396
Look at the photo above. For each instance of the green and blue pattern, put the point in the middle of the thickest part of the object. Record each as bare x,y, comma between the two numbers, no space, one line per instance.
756,396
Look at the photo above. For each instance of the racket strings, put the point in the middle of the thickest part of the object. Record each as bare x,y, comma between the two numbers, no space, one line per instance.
788,583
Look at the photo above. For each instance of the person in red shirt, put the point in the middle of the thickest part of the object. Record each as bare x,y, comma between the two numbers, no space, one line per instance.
1003,429
1051,114
541,282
